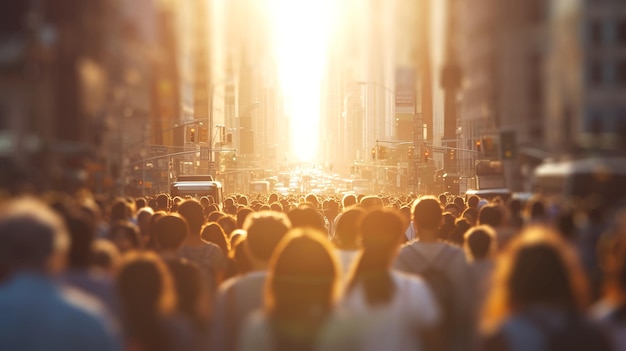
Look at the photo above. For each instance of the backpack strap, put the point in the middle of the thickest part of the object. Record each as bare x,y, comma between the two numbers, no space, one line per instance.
443,253
446,253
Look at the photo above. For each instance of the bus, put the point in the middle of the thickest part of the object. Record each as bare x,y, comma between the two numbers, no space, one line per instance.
197,186
601,177
259,187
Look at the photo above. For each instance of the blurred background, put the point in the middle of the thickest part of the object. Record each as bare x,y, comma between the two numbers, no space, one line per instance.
123,96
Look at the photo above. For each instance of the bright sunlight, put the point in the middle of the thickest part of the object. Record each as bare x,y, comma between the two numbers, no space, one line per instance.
301,30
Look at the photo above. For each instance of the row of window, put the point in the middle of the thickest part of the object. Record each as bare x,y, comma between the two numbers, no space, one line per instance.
605,72
605,120
604,32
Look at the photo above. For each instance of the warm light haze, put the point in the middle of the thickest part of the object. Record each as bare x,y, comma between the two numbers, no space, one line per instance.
301,31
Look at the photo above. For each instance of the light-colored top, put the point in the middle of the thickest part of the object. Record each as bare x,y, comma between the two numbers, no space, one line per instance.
337,334
395,325
236,299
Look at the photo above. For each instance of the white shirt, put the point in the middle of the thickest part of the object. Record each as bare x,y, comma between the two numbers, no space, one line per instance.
393,326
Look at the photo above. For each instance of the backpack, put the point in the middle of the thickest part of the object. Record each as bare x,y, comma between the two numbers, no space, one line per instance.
434,274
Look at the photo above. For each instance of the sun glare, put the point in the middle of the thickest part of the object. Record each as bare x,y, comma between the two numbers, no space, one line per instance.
301,30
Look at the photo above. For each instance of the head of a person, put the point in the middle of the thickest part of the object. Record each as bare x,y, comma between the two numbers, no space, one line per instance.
192,211
348,201
145,290
302,289
82,231
32,238
120,210
491,215
472,201
144,216
125,236
382,232
537,269
228,224
213,233
264,231
479,242
460,203
443,199
371,202
306,216
162,202
106,257
471,215
242,214
427,214
347,228
312,199
170,231
453,209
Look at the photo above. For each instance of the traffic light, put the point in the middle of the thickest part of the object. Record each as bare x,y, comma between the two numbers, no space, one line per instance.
192,135
382,153
479,146
410,153
373,153
203,135
488,146
426,155
452,154
508,145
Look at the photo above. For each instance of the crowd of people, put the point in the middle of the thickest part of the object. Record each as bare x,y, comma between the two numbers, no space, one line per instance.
272,272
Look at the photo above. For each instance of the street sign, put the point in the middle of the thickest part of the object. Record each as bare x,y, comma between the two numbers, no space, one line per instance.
204,153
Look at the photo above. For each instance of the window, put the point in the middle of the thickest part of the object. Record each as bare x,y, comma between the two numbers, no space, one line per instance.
620,72
620,31
594,72
595,33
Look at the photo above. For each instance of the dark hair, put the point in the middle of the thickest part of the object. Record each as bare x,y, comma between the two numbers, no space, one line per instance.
479,240
162,201
82,232
228,224
347,229
382,231
120,210
170,231
540,276
242,214
472,201
128,230
348,201
188,283
240,255
427,213
213,233
264,232
307,217
192,211
490,215
146,294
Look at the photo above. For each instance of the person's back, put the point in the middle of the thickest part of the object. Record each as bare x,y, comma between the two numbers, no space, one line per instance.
238,297
445,270
36,314
209,257
392,308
